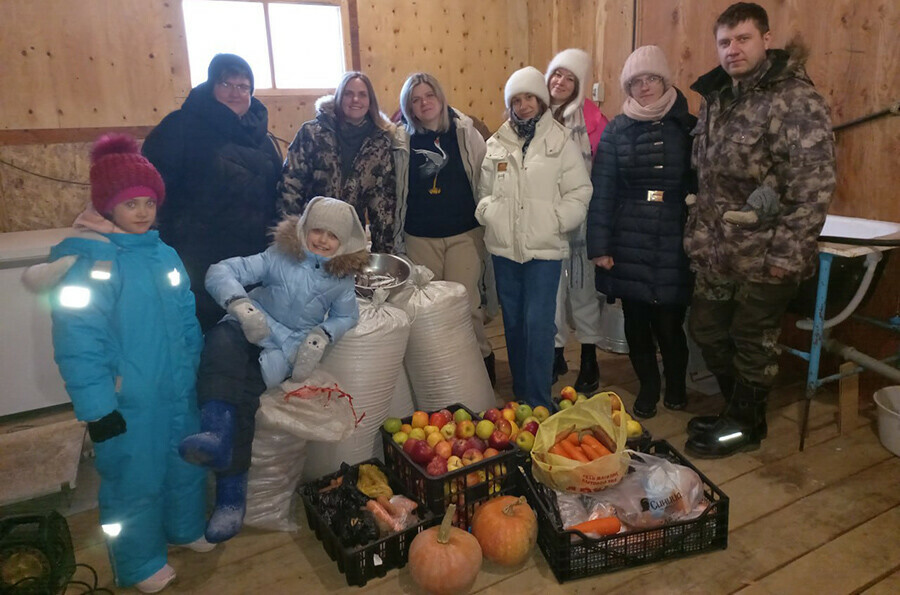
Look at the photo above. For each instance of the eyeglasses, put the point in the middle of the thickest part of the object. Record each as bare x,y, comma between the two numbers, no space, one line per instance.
241,88
637,83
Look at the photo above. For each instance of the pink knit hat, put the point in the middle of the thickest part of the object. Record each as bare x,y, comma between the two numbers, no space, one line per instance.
119,173
647,59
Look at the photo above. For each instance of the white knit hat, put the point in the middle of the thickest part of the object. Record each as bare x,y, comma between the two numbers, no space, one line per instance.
526,80
336,216
647,59
578,62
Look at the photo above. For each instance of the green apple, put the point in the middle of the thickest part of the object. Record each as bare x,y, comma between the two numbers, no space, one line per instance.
565,404
523,412
400,437
448,430
541,413
461,415
392,425
484,429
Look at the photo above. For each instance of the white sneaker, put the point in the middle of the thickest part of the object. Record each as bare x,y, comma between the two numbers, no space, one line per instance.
158,581
200,545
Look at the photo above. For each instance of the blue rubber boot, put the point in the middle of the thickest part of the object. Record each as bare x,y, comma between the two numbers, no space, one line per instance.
231,504
213,445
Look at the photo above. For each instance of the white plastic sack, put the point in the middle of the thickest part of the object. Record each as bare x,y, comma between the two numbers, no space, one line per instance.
288,416
403,404
366,363
442,359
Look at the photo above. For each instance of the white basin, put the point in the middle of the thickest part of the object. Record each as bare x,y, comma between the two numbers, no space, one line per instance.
857,228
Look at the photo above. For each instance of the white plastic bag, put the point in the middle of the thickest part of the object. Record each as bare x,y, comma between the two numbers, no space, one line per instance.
655,493
442,359
366,363
289,415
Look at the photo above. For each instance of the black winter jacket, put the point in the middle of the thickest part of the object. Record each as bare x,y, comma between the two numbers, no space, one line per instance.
644,237
220,173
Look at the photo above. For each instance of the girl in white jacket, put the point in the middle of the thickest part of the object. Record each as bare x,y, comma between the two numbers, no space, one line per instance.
534,189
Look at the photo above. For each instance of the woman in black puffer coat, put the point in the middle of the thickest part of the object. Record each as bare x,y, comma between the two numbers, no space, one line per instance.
641,175
220,168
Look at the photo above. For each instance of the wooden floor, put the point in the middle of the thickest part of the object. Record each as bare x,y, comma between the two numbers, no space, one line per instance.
824,521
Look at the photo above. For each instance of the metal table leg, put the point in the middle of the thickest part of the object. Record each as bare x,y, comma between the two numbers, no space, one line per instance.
818,338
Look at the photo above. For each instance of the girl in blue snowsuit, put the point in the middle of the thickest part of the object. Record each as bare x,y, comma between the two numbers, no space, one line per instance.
304,301
127,343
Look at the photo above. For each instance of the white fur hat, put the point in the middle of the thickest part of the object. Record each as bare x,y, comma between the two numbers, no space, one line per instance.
578,62
336,216
526,80
647,59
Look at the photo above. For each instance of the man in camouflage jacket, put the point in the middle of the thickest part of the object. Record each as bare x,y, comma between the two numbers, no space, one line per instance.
313,168
761,125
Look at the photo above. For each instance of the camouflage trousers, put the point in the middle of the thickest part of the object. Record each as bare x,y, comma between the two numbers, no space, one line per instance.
737,324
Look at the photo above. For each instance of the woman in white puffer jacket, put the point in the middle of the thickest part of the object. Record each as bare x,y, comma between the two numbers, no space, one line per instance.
534,189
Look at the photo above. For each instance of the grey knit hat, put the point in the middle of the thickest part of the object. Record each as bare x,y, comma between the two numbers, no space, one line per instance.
337,217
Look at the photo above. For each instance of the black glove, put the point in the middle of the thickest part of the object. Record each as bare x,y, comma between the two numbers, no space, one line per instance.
108,426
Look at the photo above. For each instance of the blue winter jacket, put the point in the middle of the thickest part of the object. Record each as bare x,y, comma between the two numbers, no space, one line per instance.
297,292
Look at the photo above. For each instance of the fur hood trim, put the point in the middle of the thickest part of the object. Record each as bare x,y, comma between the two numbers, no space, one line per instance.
287,241
784,64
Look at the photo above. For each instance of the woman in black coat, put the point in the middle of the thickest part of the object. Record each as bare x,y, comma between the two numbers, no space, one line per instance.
641,175
220,167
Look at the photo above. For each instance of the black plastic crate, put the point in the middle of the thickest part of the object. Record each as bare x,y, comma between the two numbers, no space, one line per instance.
373,560
466,487
572,555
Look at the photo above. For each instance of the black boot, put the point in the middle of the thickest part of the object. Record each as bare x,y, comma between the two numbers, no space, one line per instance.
647,370
741,427
704,423
560,366
588,379
489,364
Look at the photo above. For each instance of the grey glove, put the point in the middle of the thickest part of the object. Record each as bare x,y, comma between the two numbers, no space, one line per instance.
253,321
762,204
309,354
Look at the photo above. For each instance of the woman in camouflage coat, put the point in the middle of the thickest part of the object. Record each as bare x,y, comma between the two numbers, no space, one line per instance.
345,153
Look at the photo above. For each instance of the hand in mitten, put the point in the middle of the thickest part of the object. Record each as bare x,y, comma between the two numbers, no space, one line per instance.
690,200
108,426
310,354
253,321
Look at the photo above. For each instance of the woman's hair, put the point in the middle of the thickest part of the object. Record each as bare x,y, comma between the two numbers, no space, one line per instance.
235,71
561,109
542,107
413,125
374,113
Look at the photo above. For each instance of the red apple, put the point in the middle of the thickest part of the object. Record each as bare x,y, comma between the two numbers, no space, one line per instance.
476,443
446,413
422,453
532,427
504,426
511,405
498,440
492,414
489,452
409,444
436,466
443,449
458,447
437,419
472,455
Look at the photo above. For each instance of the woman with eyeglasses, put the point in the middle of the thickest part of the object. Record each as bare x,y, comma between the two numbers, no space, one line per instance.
220,167
641,176
345,153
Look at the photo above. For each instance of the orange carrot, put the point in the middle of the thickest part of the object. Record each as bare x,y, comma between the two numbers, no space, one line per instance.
574,452
589,440
557,450
603,526
573,438
591,452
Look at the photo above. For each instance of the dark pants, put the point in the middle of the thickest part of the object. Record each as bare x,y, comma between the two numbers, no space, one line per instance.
229,372
527,294
737,324
665,322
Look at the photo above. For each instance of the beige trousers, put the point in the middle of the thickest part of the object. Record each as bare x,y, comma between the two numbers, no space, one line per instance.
458,259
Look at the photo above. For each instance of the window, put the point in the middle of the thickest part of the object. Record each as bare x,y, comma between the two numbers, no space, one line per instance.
289,45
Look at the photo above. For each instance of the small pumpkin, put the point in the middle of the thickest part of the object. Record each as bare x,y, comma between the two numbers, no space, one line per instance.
445,560
506,529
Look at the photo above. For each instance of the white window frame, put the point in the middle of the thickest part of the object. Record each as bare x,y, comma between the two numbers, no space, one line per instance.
347,43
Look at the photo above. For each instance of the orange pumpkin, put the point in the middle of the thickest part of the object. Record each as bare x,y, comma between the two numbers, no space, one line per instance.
506,528
445,560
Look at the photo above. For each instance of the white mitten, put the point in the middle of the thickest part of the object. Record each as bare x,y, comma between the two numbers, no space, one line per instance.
309,354
253,321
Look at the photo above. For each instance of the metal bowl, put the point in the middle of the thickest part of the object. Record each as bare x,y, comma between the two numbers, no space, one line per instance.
384,264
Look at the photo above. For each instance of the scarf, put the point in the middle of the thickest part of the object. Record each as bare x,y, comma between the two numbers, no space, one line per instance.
91,220
524,128
576,125
351,138
653,112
